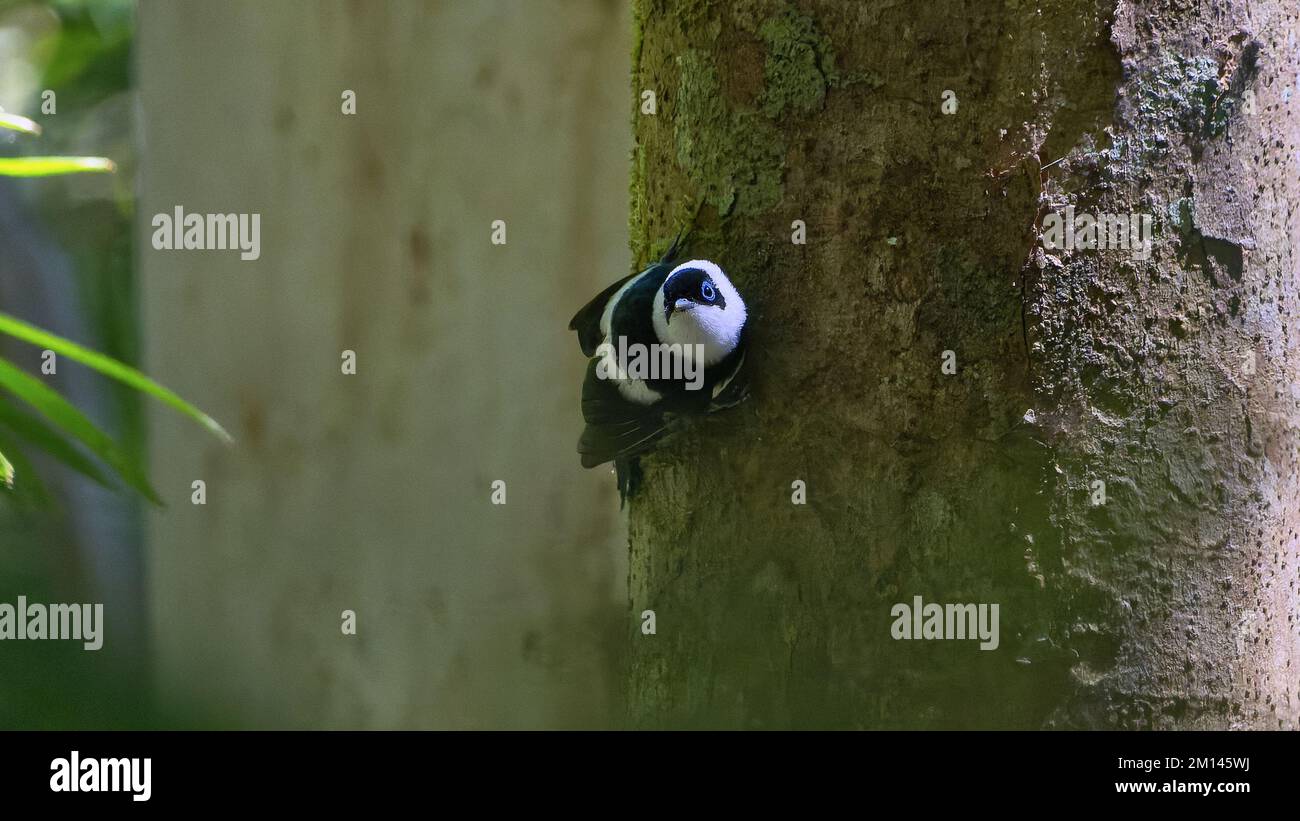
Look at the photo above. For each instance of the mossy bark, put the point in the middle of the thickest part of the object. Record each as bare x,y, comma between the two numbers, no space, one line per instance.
1172,379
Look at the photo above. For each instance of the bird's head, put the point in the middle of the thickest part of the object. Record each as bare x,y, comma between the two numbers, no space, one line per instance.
698,305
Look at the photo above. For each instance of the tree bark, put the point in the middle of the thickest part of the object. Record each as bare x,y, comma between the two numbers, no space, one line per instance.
1170,603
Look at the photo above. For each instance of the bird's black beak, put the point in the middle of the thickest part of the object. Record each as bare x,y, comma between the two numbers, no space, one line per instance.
682,304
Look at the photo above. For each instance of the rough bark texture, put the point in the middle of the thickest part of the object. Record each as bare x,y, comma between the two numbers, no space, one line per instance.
1170,605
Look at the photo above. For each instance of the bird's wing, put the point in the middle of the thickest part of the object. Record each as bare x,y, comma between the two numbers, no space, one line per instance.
603,443
616,428
587,321
731,390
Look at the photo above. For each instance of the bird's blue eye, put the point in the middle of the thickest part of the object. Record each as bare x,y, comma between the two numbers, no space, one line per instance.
706,291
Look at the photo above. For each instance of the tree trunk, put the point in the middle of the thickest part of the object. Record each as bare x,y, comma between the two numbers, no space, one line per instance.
1112,462
372,492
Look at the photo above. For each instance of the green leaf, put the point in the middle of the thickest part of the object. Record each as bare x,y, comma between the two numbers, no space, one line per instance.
37,433
6,472
27,486
64,415
13,122
50,166
109,367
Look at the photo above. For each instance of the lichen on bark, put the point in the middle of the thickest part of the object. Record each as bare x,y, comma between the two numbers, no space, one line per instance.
800,64
734,158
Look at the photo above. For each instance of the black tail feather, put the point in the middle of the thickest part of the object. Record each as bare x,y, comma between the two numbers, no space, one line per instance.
675,248
683,236
628,471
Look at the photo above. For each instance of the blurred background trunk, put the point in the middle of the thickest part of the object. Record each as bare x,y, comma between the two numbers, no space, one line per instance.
371,492
1173,381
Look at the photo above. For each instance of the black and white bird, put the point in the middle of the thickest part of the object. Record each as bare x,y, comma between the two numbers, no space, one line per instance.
665,344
